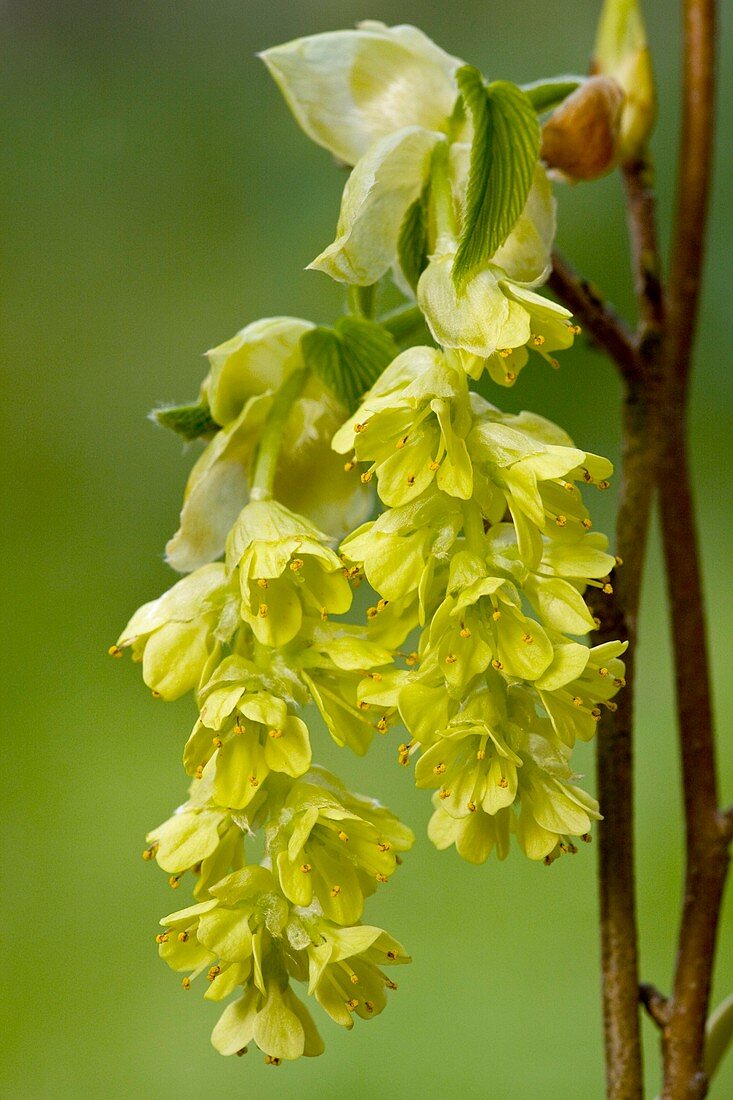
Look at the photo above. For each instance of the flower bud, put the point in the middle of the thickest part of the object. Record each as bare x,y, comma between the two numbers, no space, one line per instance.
581,138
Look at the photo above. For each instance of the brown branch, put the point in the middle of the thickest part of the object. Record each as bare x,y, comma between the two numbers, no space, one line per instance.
706,843
693,180
607,329
655,1003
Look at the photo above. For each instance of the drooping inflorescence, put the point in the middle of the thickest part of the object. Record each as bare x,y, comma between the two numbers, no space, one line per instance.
477,559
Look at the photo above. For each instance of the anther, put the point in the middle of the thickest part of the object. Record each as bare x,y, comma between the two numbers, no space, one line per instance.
619,561
151,852
596,714
199,773
275,734
412,658
381,604
352,1004
496,615
444,793
382,724
296,565
216,742
262,582
465,632
213,972
343,836
439,768
369,1006
554,364
372,613
392,955
538,341
162,937
608,589
586,523
450,659
527,638
497,665
335,891
390,984
186,983
376,676
384,846
586,838
511,376
619,681
174,882
306,868
359,428
263,611
503,782
324,615
481,754
380,877
578,701
348,467
363,705
604,484
253,781
114,651
155,694
433,465
603,672
505,352
410,480
182,937
401,442
242,1052
471,807
561,521
366,477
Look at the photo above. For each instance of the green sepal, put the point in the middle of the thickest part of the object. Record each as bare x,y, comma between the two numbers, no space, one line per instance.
349,357
545,95
412,245
504,152
189,421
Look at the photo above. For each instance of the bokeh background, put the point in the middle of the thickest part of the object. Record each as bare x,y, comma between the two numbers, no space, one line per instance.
158,196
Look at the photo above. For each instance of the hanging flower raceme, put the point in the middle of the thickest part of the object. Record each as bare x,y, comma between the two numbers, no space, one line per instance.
473,628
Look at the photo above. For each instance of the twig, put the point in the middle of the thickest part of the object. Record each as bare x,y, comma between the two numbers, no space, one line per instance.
655,1003
706,843
608,330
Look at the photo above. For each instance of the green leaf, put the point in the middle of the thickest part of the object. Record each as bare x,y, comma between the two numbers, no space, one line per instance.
412,244
545,95
349,357
188,421
504,152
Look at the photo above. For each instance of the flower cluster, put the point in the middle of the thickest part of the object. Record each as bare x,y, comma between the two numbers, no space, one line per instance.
252,637
477,565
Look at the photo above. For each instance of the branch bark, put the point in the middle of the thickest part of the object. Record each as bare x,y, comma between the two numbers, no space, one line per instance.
705,834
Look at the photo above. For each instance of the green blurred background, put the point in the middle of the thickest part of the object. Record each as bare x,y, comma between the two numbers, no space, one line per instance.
158,196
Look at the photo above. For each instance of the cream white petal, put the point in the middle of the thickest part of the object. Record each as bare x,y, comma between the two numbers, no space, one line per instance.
479,318
348,89
384,183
